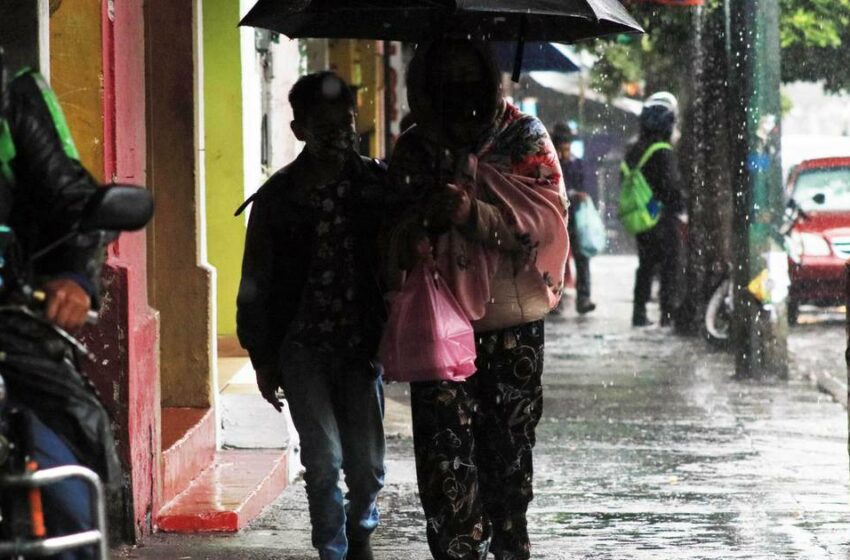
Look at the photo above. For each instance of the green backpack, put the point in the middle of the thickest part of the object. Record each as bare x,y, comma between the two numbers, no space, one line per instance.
639,210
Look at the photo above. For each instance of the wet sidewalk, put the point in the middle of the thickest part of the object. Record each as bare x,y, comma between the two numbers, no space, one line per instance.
647,449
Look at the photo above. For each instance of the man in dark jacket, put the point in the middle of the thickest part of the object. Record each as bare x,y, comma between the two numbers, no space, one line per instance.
658,248
310,311
43,192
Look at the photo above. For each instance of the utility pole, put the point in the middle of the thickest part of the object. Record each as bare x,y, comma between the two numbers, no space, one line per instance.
760,268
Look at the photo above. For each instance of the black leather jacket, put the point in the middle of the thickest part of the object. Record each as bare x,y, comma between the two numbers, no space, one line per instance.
49,190
43,202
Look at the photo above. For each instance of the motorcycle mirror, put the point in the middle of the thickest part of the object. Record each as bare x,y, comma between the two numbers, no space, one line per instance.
819,198
117,208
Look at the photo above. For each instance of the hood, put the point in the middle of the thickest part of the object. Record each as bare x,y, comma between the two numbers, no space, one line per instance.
829,224
424,105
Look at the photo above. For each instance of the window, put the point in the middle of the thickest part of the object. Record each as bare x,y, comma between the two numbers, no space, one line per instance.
833,183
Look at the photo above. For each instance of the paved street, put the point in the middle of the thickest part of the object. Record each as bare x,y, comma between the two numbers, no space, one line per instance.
648,449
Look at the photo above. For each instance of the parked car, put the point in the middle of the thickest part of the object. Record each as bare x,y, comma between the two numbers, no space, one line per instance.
821,240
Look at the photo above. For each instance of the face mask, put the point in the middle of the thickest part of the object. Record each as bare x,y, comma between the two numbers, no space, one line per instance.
332,145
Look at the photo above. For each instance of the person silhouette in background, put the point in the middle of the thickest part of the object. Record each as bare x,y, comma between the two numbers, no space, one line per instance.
573,170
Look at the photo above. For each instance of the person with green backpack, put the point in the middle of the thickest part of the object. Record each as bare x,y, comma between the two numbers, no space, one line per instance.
652,206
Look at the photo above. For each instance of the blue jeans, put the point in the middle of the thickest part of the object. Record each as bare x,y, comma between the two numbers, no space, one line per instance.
68,504
337,406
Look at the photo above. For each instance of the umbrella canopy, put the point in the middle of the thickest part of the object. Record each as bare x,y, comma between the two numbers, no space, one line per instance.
420,20
538,57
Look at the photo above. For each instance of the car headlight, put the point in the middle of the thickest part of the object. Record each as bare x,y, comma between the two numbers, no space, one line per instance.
795,246
814,245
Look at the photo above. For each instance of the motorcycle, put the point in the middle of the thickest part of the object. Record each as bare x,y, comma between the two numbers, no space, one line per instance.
721,305
22,516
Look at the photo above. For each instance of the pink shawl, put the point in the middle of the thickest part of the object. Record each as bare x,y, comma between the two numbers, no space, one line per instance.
534,208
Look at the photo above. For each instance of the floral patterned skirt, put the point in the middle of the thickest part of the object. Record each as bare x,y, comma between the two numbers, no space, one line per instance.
473,443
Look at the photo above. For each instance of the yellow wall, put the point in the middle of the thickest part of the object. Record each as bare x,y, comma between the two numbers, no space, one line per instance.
76,75
361,64
224,162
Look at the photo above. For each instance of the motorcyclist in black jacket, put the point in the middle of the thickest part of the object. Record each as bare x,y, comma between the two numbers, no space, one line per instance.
43,192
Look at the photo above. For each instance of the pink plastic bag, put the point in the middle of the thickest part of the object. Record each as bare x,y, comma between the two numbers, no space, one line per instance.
427,337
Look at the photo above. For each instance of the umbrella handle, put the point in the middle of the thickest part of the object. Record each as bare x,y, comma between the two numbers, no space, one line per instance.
520,49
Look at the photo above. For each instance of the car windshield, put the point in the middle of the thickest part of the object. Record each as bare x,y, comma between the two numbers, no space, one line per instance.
831,182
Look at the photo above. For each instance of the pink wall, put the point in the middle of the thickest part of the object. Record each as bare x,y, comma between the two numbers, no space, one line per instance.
127,337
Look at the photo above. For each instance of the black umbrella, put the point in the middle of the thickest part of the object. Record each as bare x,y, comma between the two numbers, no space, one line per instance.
563,21
539,57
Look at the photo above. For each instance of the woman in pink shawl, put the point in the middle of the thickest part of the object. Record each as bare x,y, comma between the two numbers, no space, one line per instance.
483,186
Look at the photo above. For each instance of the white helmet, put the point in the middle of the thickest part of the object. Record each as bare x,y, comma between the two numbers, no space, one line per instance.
664,99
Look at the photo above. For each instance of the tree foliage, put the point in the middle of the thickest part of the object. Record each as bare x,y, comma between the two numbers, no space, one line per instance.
816,42
814,34
654,58
814,23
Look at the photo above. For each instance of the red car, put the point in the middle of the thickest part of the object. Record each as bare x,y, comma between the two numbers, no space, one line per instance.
821,188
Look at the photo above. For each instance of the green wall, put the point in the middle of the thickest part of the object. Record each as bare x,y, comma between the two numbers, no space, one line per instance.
224,161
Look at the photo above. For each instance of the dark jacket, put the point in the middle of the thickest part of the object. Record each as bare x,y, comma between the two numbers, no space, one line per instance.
662,174
279,248
573,170
50,187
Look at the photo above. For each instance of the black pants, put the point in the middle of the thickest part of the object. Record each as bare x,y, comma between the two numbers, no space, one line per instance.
581,261
582,274
473,443
658,252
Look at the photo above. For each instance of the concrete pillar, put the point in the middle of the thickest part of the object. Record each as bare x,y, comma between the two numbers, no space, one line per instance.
179,279
125,161
316,54
286,61
97,67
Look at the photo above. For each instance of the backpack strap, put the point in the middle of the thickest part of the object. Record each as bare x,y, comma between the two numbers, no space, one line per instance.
658,146
276,181
647,155
244,206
